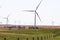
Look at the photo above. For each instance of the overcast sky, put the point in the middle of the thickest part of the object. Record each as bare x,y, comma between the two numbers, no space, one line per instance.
49,11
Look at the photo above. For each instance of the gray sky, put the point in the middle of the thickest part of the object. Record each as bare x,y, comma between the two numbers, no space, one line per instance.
49,11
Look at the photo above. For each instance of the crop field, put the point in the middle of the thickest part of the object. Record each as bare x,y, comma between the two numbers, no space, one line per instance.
30,34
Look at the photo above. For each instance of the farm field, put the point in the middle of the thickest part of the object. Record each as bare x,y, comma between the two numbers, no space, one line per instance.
30,34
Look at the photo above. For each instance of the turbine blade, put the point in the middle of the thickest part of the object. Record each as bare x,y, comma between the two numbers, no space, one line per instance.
38,16
39,4
29,10
3,17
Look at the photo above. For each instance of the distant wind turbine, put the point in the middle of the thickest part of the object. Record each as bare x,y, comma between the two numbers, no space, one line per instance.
0,21
52,22
35,11
7,19
15,22
0,6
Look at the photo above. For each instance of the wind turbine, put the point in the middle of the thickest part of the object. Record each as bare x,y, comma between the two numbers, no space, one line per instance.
0,22
52,22
0,6
15,22
7,19
35,13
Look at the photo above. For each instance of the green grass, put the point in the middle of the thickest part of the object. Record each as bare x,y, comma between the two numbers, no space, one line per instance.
23,34
33,31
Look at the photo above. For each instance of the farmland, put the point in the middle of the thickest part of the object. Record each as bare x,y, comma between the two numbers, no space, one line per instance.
53,34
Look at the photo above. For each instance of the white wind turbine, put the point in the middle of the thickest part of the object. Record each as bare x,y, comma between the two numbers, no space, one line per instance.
35,13
52,22
7,19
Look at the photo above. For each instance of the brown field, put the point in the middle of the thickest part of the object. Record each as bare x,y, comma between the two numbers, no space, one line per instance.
5,27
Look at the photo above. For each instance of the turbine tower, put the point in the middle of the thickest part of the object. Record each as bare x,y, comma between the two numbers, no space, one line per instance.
35,13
